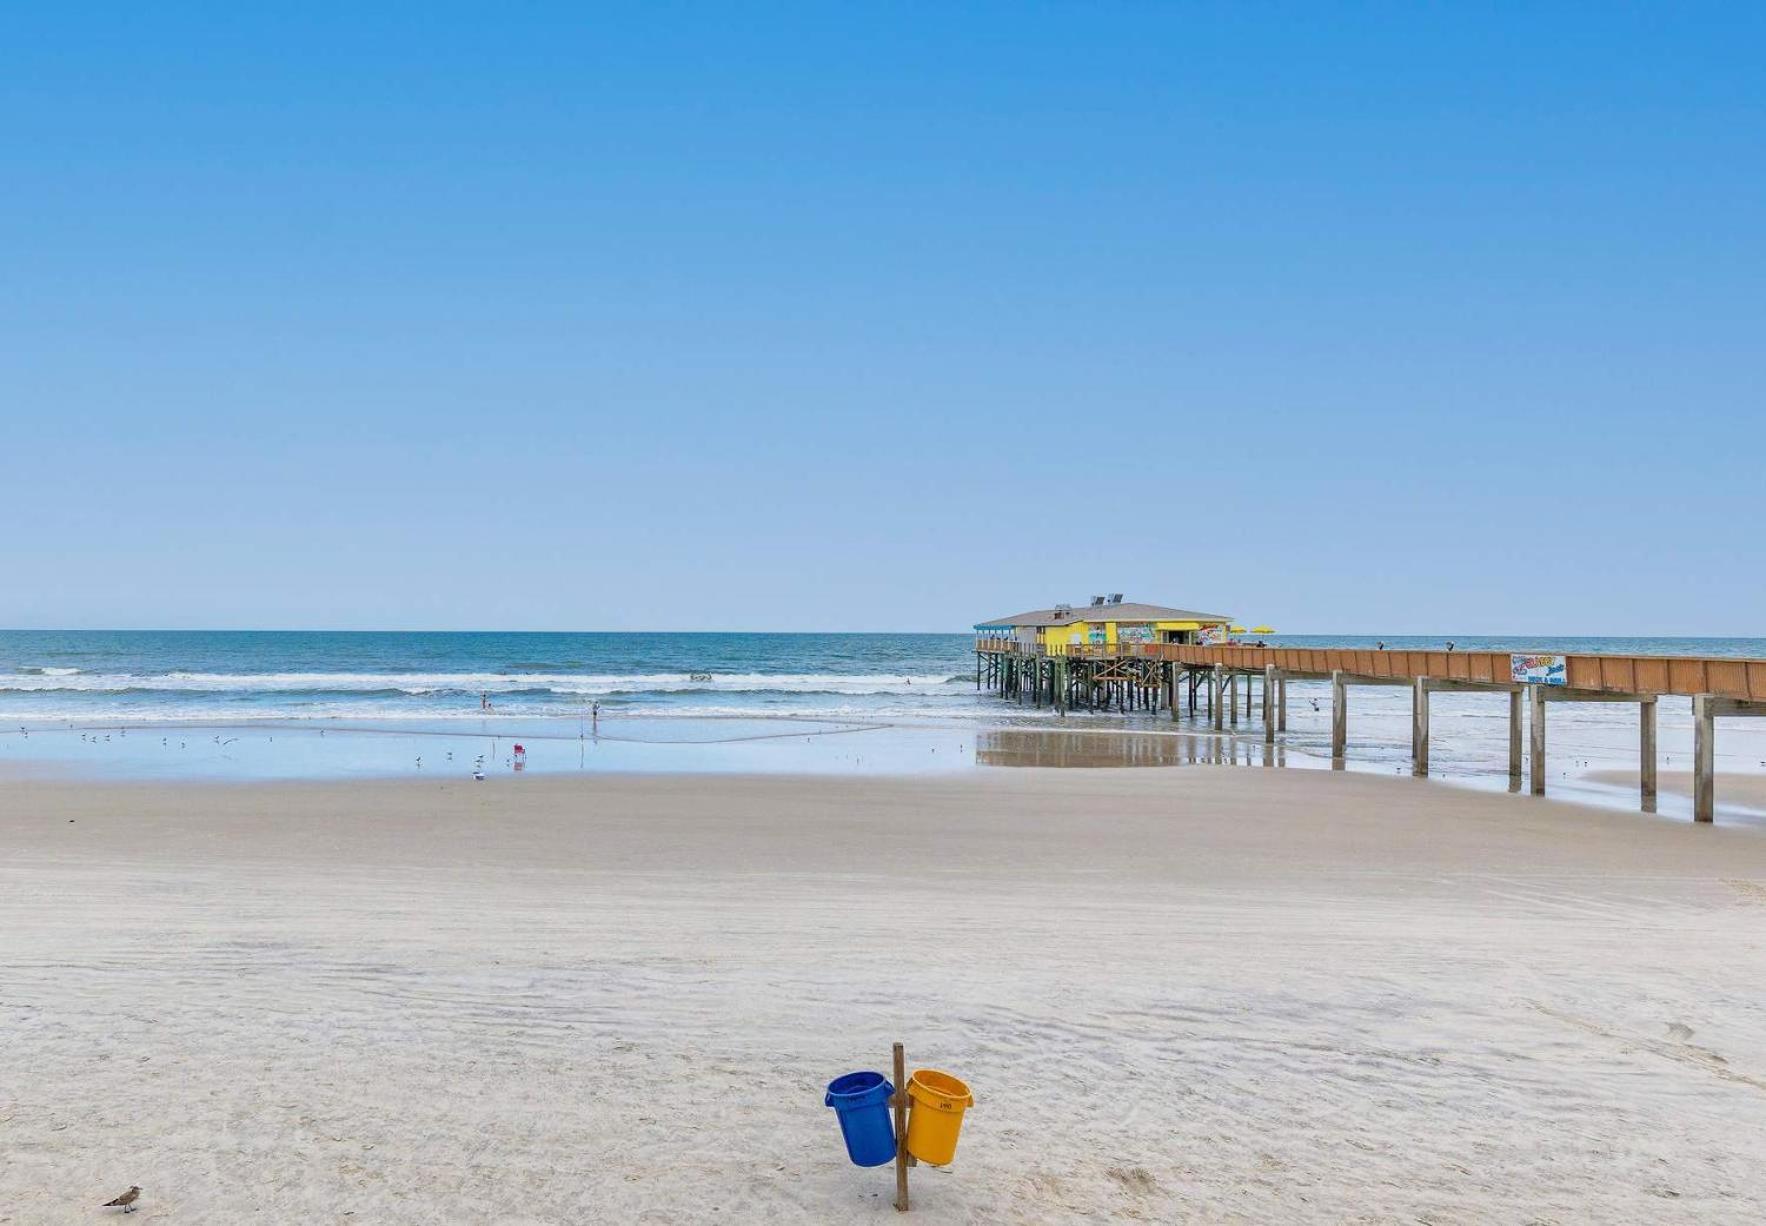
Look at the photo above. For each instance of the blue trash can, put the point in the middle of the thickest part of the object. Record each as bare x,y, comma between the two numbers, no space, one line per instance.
861,1103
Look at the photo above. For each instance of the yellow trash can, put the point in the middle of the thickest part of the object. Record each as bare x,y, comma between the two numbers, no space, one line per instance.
936,1102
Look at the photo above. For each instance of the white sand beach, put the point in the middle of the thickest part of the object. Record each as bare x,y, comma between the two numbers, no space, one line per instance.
1179,995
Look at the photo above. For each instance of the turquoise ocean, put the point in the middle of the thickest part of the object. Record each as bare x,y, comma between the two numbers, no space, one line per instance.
179,675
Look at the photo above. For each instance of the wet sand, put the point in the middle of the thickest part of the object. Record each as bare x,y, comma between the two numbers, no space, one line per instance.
1746,791
1192,994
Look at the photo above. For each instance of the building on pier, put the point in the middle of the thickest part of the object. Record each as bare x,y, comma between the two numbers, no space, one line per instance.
1106,621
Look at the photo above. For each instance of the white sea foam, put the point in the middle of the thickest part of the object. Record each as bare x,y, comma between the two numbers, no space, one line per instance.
431,683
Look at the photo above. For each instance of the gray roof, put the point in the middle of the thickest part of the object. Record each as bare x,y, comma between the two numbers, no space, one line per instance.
1126,611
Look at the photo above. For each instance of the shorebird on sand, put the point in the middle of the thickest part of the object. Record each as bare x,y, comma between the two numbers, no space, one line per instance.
125,1202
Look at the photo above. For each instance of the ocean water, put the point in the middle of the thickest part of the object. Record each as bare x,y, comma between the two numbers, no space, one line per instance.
159,676
290,704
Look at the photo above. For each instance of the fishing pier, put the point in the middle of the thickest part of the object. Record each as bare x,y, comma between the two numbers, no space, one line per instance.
1039,659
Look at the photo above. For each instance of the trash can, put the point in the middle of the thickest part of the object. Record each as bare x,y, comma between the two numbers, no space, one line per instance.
936,1102
861,1103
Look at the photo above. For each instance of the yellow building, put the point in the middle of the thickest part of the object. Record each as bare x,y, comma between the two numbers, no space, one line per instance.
1107,620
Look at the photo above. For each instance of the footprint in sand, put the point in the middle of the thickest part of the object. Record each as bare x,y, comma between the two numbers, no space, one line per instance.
1679,1030
1134,1178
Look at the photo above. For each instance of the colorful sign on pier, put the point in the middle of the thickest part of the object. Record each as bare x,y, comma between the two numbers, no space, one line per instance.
1540,669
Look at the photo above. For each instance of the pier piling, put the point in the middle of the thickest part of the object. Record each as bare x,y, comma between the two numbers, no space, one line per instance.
1536,727
1704,756
1646,753
1419,727
1514,740
1339,717
1269,689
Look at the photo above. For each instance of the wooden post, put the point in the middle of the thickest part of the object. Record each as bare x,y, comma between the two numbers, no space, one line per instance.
1217,697
900,1102
1646,753
1281,701
1419,727
1339,715
1269,704
1704,757
1536,720
1233,698
1514,740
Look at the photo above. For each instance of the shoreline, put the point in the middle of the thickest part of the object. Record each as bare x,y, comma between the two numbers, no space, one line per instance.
776,745
1736,789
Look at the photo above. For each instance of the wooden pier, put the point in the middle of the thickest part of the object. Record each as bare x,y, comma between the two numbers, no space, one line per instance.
1223,682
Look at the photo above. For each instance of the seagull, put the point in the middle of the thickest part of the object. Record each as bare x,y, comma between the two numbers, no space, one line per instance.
125,1202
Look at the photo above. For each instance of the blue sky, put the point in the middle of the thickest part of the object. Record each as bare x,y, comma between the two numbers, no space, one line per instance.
1382,318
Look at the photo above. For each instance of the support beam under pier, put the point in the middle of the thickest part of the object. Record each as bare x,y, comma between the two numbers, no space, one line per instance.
1705,710
1339,718
1539,695
1419,727
1536,748
1514,740
1646,753
1704,757
1269,693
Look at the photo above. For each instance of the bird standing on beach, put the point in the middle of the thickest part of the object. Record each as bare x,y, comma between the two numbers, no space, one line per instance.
125,1202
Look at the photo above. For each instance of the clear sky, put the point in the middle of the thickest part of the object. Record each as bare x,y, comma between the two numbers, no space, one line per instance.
1384,318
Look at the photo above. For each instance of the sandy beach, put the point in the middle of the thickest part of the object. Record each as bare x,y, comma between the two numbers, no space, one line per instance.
1193,994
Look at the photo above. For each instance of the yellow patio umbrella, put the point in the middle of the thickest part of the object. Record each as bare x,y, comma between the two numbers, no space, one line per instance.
1262,629
1235,629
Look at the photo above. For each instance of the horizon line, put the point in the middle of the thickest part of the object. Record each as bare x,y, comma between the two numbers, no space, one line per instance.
964,633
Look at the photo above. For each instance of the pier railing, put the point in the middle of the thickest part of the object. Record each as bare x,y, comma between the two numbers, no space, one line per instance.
1728,677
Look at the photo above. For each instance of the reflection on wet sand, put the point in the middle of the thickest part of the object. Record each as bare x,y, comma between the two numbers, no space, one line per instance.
1107,747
